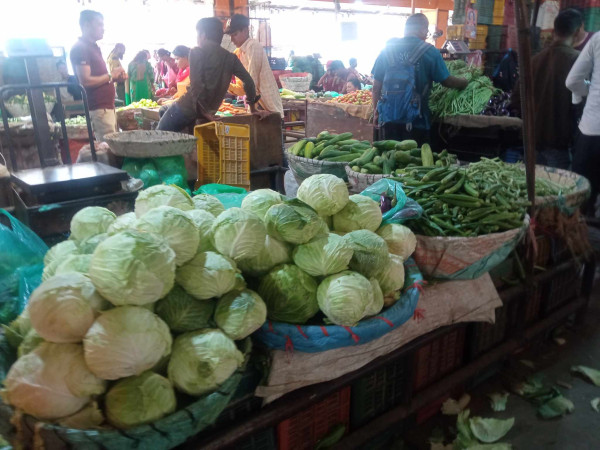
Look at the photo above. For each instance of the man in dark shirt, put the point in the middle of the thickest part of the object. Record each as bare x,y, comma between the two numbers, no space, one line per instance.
429,67
554,114
90,69
211,69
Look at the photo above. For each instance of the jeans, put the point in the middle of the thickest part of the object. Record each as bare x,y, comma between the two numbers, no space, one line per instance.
174,119
398,132
586,160
553,157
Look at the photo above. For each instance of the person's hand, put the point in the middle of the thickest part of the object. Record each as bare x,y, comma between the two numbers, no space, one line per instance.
118,74
261,114
161,101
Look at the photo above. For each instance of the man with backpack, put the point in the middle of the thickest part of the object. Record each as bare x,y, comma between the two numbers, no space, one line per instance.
404,73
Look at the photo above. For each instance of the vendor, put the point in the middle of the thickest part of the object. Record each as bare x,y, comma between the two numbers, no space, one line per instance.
327,80
211,69
352,69
254,59
141,77
114,62
181,54
353,85
169,71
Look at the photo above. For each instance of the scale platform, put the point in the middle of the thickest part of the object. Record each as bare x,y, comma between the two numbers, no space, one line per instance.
61,183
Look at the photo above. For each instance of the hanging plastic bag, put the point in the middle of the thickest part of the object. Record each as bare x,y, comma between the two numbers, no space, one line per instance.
230,196
21,264
396,207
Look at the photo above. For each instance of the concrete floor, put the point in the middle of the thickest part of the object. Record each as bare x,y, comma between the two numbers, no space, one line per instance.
577,431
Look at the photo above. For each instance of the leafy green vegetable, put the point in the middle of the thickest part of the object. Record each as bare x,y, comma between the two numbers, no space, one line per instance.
370,252
240,313
259,201
490,430
596,404
204,221
325,193
74,263
556,407
324,256
207,275
273,253
88,246
591,374
30,343
498,400
59,251
464,437
208,203
391,275
345,298
123,222
400,240
162,195
360,213
238,234
293,221
90,221
139,399
182,312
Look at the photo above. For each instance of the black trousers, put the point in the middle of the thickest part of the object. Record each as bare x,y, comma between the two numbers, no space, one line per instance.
398,132
586,162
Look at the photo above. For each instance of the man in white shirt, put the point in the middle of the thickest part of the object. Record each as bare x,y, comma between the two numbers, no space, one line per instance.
584,81
254,59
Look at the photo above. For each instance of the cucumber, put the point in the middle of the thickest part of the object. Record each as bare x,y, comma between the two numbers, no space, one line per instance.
402,157
416,152
408,144
339,138
344,158
308,149
366,157
426,155
372,168
385,145
330,152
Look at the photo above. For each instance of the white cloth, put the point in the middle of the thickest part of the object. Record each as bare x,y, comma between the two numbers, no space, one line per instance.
586,68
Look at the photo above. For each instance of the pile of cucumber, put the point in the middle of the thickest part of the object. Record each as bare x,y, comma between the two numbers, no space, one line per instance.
330,147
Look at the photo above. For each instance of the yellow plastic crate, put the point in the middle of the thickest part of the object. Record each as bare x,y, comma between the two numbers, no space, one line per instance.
223,154
482,30
497,20
499,8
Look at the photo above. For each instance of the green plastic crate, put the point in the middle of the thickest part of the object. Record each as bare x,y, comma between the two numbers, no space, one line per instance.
591,19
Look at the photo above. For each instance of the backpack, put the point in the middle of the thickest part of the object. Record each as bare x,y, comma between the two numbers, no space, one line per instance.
506,74
400,101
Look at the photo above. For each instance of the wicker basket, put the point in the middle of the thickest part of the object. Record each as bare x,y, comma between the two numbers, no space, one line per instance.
22,110
165,433
360,181
295,82
570,180
150,143
126,119
302,168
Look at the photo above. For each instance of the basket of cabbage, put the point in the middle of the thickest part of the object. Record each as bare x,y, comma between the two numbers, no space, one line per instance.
137,336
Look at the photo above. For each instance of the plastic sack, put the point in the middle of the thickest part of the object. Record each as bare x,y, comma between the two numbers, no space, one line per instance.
230,196
404,209
171,170
21,264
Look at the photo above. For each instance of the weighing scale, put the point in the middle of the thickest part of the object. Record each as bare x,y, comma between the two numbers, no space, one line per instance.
55,186
456,47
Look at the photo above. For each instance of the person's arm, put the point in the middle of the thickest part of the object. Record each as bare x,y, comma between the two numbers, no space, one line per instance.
249,86
377,85
85,77
455,83
378,72
322,80
579,76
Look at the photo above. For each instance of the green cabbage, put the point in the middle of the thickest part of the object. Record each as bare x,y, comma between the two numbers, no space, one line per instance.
133,268
30,343
400,240
345,297
162,195
59,251
90,221
202,360
52,381
207,275
360,213
293,221
391,276
16,330
238,234
325,193
490,430
139,399
126,341
273,253
176,227
74,263
90,417
260,201
370,252
208,203
123,222
376,305
64,307
290,294
88,246
204,221
182,312
240,313
324,256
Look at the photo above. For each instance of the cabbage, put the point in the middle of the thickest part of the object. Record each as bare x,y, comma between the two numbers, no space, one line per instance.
202,360
52,381
240,313
208,203
182,312
293,221
273,253
133,268
376,305
16,330
30,343
64,307
490,430
260,201
345,297
324,256
162,195
360,213
240,283
126,341
370,252
204,221
88,246
59,251
74,263
176,227
391,276
90,417
325,193
139,399
290,294
400,240
90,221
207,275
238,234
123,222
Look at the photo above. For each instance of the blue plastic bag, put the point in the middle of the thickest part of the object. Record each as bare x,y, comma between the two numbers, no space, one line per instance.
404,209
230,196
21,265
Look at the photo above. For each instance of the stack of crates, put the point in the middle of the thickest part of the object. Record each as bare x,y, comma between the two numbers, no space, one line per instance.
479,43
498,17
458,15
485,11
455,32
496,37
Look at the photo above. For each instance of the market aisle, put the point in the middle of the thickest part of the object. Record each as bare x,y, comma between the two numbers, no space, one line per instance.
577,431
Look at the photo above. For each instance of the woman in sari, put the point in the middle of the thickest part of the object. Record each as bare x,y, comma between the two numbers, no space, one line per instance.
181,54
141,77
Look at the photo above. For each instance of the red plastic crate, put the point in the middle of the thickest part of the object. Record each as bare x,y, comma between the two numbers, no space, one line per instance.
428,411
438,358
562,288
302,431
